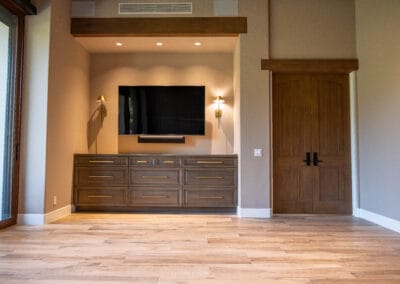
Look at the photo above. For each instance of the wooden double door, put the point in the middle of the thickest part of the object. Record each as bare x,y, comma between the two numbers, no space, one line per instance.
311,145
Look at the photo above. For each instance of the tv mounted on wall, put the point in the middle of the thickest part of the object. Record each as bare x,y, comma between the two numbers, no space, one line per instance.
161,110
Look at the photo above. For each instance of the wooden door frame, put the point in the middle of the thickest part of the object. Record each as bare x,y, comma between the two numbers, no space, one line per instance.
318,66
20,8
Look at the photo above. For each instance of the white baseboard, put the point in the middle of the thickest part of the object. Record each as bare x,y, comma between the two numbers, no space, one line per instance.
41,219
30,219
381,220
58,214
254,212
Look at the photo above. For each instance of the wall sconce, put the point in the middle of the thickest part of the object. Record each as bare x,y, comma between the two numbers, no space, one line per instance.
103,110
218,111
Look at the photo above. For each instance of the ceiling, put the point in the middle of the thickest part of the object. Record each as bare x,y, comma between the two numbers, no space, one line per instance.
148,44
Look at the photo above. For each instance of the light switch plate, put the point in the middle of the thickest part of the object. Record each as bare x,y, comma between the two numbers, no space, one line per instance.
258,152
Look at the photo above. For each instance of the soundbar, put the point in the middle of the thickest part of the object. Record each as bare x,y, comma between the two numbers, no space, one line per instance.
161,139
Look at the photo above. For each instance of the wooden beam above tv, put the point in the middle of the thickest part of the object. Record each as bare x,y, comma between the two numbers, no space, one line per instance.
310,65
165,26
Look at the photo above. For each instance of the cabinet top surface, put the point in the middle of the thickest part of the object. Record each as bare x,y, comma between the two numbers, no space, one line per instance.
158,155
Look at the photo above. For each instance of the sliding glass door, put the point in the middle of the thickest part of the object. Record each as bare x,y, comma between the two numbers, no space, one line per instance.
8,42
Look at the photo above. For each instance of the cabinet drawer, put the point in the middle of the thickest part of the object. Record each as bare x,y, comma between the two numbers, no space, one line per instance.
169,162
101,196
99,160
154,176
92,176
209,198
209,162
155,197
209,177
145,161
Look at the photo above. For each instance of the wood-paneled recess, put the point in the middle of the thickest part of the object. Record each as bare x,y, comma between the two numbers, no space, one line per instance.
166,26
332,66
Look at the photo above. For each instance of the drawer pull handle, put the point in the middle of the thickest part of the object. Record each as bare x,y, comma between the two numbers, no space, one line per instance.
142,162
100,196
209,162
211,197
155,196
168,162
159,177
210,177
101,162
100,176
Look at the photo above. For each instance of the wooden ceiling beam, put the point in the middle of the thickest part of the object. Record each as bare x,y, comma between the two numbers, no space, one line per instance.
310,65
163,26
20,7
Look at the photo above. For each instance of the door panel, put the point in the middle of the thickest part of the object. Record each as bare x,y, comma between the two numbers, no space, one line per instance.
331,140
292,139
311,114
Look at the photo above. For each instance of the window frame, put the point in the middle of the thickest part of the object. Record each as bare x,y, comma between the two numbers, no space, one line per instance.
19,8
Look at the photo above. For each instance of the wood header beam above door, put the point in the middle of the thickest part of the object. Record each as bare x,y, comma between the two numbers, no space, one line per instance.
338,66
164,26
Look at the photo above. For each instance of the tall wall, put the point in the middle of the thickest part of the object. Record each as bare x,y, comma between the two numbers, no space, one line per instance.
108,71
34,110
55,110
317,29
68,106
254,187
378,42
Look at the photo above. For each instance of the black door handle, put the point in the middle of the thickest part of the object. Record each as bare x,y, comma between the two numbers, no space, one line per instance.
308,159
315,159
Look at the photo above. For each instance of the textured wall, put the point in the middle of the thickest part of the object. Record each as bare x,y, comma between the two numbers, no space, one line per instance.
312,29
378,41
34,110
68,106
254,186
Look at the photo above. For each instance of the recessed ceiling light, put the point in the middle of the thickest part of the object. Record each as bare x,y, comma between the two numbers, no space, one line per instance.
197,43
159,43
118,44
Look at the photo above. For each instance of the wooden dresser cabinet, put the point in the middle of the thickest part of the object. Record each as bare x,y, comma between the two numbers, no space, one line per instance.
139,181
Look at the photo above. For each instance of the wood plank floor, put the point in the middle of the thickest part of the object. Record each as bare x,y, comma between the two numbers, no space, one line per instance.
157,248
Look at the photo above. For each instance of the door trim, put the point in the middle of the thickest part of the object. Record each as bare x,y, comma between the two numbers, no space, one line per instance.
20,9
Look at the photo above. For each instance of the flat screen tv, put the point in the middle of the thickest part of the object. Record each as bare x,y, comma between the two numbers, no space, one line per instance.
161,110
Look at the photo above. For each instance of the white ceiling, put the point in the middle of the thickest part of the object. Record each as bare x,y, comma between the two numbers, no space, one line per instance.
148,44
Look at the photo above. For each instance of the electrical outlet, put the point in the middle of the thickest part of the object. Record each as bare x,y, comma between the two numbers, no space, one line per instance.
258,152
54,200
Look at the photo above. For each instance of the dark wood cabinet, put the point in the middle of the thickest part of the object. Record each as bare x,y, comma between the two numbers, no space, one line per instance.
139,181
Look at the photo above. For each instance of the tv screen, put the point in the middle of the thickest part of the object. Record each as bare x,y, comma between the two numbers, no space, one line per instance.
161,110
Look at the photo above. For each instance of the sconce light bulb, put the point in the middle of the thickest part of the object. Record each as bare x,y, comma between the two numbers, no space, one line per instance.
218,110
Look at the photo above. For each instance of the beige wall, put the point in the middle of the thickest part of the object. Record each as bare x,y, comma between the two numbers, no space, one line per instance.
215,71
68,106
34,110
109,8
312,29
378,42
254,108
55,109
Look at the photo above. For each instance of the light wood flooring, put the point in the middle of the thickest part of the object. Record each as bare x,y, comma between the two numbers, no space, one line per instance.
157,248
